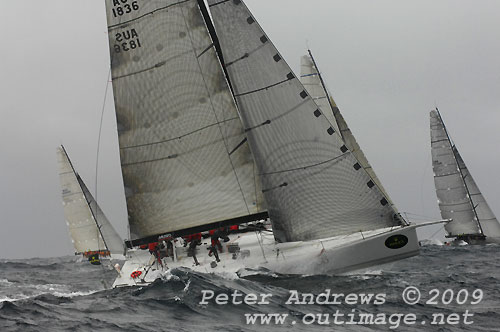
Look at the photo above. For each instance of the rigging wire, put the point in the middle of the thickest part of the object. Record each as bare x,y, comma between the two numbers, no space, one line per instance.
260,244
435,233
103,109
98,148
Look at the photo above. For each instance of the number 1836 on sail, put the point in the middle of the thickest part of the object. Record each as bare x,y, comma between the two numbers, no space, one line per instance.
122,7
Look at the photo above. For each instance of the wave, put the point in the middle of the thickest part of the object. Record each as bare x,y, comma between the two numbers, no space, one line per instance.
72,296
14,299
5,282
430,242
52,292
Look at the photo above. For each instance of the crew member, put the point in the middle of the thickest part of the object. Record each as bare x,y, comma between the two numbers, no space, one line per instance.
154,250
220,233
194,240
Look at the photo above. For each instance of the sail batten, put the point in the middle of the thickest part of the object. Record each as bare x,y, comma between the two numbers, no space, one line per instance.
177,122
313,186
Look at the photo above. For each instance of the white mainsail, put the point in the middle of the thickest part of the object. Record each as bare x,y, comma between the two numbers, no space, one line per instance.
459,196
312,81
183,150
313,185
82,227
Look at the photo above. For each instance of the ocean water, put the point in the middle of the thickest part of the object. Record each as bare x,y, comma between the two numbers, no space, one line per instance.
67,294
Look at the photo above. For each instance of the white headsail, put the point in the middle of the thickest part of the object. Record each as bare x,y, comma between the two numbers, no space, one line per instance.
313,82
183,150
487,219
310,78
81,223
313,185
459,196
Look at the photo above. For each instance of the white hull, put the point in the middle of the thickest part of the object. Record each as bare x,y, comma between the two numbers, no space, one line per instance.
327,256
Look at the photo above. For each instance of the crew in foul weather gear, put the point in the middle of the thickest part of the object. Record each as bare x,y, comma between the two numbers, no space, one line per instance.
220,233
193,240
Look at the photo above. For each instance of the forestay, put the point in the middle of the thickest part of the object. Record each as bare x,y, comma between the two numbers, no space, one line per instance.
313,185
82,226
451,191
183,154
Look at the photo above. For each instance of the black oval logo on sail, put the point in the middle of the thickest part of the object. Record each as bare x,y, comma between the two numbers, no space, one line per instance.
396,241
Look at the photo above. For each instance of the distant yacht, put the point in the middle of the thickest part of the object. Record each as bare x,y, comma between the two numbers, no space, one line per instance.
92,234
458,195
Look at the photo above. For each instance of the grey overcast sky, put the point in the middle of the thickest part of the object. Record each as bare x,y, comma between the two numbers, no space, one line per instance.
387,63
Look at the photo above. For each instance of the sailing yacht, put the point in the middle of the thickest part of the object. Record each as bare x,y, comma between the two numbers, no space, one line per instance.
92,234
215,131
458,195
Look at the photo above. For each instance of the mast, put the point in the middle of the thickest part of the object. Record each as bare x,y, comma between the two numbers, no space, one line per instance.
453,149
78,178
326,91
211,31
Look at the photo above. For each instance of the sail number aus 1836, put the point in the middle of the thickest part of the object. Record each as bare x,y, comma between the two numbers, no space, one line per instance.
126,41
122,7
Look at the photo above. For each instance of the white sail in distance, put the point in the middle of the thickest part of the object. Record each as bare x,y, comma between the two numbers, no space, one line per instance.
311,79
489,223
82,227
459,196
184,157
453,198
313,185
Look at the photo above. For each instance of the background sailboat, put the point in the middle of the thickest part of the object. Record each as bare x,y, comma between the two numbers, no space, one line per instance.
92,234
458,195
215,129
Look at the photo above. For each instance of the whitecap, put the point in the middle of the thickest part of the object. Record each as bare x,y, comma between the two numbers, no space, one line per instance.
10,299
5,282
74,294
187,286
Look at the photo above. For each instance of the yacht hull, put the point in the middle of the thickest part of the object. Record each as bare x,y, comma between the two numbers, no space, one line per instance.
336,255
